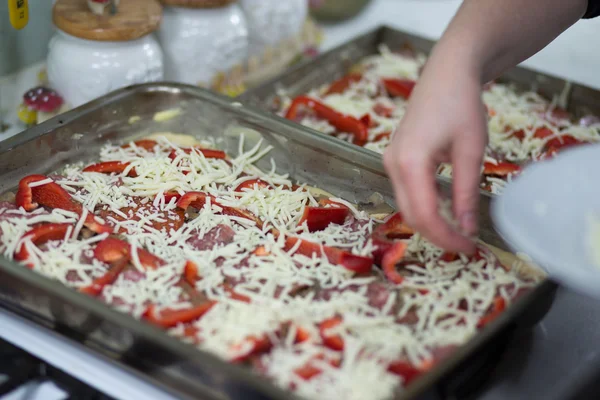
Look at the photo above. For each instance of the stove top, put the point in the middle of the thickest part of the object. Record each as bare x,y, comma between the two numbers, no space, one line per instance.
35,359
24,376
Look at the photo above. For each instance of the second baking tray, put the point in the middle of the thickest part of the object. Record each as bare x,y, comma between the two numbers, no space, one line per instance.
163,360
334,64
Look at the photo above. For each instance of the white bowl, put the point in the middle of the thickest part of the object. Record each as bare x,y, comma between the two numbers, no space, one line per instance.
546,212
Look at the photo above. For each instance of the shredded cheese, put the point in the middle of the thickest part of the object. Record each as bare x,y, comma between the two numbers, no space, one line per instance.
438,305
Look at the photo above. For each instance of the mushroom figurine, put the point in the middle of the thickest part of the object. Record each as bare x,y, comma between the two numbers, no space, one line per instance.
39,104
98,6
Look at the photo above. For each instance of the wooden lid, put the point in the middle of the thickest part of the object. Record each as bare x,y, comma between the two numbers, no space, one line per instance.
197,3
134,19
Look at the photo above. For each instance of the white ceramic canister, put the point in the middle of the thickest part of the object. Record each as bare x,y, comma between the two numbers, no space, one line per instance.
201,38
273,21
91,55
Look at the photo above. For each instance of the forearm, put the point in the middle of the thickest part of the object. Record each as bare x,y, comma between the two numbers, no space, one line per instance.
491,36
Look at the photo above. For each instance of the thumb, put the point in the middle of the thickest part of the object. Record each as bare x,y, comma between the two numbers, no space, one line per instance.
467,156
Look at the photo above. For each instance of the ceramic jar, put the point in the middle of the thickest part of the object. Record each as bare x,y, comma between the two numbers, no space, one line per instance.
91,54
82,70
200,42
273,21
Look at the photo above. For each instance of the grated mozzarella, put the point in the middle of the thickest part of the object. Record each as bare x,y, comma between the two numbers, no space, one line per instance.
288,292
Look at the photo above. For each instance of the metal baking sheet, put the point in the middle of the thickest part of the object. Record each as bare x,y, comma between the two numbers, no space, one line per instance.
318,160
332,65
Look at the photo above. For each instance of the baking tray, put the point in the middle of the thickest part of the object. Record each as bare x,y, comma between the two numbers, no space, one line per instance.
332,65
315,159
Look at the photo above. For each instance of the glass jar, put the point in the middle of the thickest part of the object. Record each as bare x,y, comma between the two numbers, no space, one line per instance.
273,21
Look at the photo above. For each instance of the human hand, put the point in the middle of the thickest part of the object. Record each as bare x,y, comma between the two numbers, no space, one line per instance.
444,122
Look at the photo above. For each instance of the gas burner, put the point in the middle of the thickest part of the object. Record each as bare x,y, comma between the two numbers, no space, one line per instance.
19,369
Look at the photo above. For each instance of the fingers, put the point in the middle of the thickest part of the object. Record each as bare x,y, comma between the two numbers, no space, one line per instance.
467,157
422,198
413,177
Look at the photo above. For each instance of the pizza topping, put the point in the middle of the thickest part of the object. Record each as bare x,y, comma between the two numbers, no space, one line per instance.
344,123
246,265
39,190
319,218
111,167
399,87
167,318
40,235
523,127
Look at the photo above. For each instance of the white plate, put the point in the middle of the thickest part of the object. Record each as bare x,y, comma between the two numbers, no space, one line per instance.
545,213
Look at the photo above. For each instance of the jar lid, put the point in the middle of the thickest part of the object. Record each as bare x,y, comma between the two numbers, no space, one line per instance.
198,3
133,19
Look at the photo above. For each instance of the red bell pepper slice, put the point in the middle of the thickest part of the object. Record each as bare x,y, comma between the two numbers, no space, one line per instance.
52,195
383,111
190,272
198,199
191,332
259,345
449,257
250,183
408,371
352,262
497,308
170,196
343,83
366,120
319,218
309,370
145,144
235,295
111,250
40,235
261,251
111,275
556,144
207,153
399,87
383,235
343,123
381,136
111,167
195,200
502,169
168,318
390,259
334,342
302,335
540,133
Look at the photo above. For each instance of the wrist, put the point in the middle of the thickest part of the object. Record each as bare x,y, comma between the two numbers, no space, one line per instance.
454,58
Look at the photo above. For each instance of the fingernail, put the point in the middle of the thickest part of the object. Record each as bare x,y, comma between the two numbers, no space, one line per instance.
468,224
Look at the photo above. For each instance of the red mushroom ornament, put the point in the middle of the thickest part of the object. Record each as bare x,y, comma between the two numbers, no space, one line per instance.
36,101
